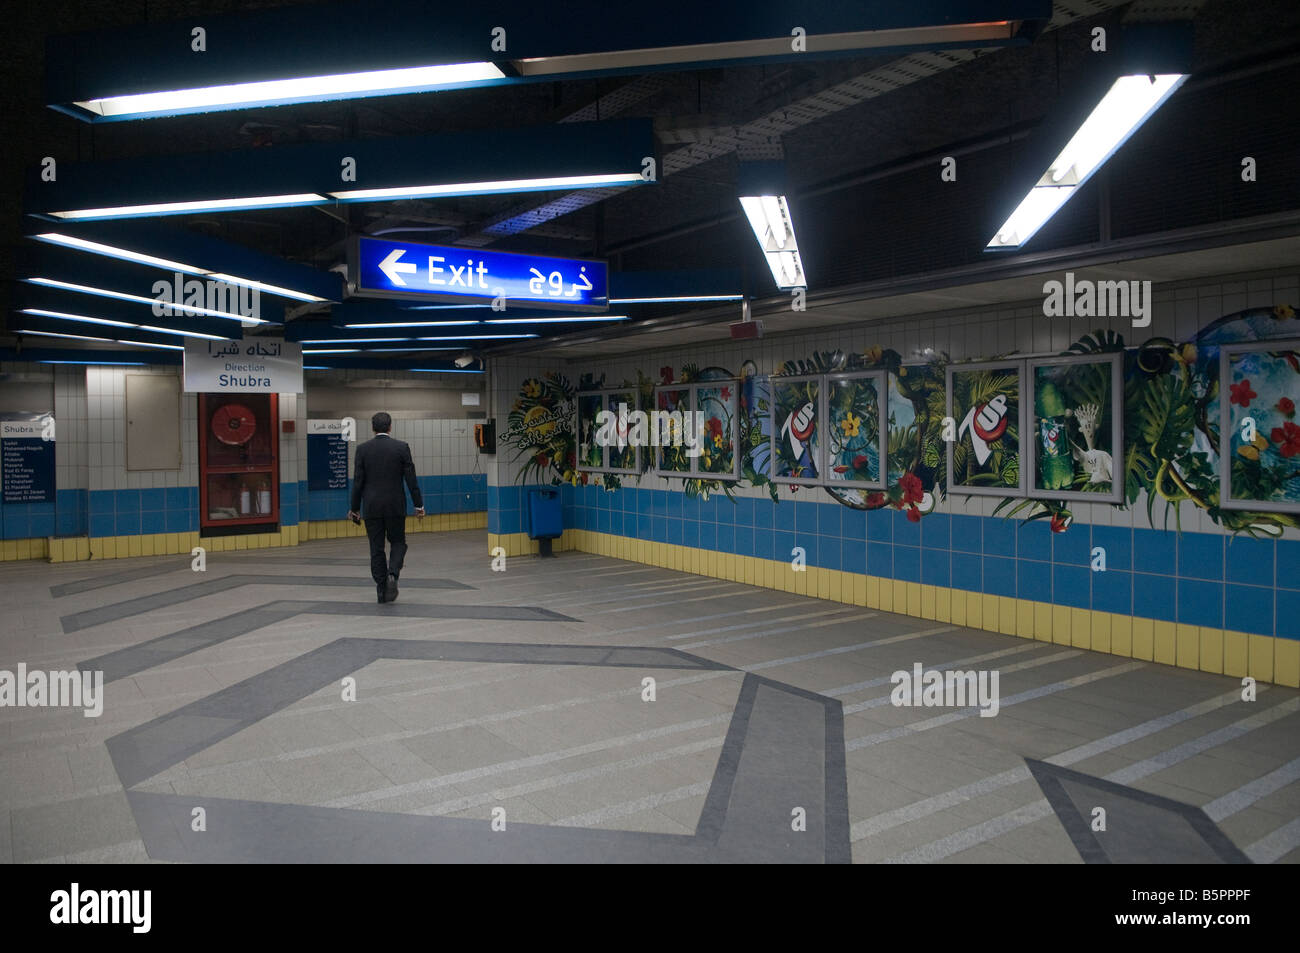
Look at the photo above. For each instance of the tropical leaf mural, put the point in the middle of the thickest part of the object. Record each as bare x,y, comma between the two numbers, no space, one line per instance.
1171,410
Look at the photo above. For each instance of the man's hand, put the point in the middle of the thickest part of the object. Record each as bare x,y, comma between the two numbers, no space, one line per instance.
419,512
354,516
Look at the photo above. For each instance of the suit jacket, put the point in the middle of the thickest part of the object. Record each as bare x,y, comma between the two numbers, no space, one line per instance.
382,464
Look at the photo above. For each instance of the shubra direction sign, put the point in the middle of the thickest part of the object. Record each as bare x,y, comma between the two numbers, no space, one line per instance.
250,366
379,268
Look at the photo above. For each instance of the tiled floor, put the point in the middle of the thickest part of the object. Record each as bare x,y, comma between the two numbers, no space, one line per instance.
519,700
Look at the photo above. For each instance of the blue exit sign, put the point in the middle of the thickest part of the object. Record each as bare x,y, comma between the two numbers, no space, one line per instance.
388,269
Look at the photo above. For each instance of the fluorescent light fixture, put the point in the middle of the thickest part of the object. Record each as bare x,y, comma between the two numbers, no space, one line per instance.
441,307
1129,103
99,363
487,188
412,324
112,251
126,254
566,320
184,334
403,350
668,299
354,340
769,217
910,36
63,315
140,299
441,370
263,286
477,337
88,337
299,89
199,205
56,334
165,347
333,350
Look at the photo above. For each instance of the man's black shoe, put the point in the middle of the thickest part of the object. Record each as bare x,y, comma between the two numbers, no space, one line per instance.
391,591
383,593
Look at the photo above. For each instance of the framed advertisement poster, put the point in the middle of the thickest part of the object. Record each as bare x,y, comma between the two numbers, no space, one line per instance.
591,455
1075,436
695,429
798,425
1259,434
984,401
856,428
715,405
621,456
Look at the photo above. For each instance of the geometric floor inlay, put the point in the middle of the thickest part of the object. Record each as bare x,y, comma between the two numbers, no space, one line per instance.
1141,828
784,749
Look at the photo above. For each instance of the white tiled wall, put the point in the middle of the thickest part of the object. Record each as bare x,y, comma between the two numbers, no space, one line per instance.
106,433
439,447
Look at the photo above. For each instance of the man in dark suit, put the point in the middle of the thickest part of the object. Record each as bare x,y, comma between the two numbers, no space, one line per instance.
382,464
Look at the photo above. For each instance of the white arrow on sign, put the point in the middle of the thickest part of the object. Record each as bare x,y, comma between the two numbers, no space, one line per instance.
394,269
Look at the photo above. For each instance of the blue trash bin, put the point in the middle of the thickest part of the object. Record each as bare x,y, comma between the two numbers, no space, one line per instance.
545,517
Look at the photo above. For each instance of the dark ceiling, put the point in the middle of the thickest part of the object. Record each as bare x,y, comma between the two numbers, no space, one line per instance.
862,139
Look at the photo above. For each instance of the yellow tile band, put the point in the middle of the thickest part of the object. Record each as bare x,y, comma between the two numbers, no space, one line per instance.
1226,652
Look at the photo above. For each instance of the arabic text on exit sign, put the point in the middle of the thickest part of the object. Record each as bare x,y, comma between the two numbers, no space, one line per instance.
384,268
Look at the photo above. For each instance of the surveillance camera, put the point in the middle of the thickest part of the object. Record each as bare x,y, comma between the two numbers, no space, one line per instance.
465,360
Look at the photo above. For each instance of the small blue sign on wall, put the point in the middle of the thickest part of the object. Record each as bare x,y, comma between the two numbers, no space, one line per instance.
27,458
327,455
386,269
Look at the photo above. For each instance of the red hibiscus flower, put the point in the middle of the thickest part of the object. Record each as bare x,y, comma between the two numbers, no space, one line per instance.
1286,406
1061,522
859,461
1287,437
875,500
726,393
914,514
541,459
913,491
665,375
1242,394
714,427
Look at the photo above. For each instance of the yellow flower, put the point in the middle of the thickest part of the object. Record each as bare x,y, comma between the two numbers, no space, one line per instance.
1259,442
1249,452
532,387
717,440
1283,311
873,354
850,425
1186,354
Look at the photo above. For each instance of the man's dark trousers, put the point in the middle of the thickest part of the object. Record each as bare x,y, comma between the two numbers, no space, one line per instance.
393,527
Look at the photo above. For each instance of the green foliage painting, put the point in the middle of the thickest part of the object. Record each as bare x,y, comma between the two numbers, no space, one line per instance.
796,443
718,405
590,453
1073,426
853,430
986,411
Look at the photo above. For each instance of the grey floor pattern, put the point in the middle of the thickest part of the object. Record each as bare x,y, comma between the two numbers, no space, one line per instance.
772,736
775,760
